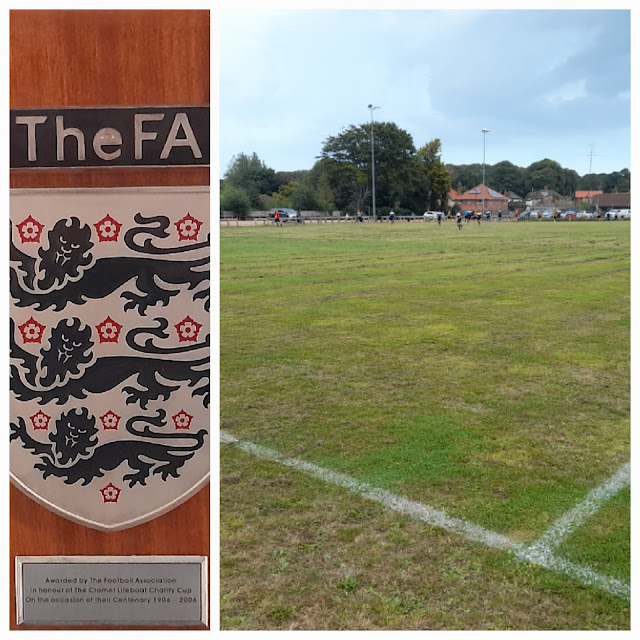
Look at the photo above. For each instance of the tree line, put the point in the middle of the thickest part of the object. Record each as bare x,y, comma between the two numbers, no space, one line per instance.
407,178
505,176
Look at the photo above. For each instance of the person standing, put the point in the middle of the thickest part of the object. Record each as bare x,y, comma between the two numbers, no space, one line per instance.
439,216
276,217
392,216
459,220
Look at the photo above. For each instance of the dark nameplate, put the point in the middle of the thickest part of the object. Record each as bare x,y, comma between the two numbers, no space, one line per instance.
113,137
118,590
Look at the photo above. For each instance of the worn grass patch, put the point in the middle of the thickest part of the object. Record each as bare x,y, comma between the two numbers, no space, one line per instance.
484,372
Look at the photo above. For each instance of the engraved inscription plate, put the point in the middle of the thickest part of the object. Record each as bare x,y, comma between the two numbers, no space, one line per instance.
109,419
122,590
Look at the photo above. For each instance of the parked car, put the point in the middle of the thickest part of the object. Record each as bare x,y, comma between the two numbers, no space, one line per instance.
547,215
585,215
623,214
432,215
285,214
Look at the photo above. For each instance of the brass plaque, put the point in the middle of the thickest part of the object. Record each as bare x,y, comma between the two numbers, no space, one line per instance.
120,590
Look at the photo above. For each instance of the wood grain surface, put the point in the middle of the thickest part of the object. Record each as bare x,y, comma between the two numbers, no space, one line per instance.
95,59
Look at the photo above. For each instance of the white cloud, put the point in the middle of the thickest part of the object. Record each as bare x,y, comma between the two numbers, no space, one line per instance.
568,92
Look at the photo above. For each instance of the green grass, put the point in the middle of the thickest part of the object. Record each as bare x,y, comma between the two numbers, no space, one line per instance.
604,542
299,554
482,371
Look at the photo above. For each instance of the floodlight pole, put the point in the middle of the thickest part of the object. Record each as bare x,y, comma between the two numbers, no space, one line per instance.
484,141
373,164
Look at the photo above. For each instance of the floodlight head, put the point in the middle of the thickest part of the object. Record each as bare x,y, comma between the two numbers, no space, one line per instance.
486,130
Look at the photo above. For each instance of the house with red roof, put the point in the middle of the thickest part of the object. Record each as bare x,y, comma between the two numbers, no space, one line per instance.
471,200
586,196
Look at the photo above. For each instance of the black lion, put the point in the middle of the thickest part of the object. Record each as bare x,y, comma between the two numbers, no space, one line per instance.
68,368
74,456
66,271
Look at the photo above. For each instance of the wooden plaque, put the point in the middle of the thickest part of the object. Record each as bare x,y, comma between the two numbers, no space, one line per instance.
110,59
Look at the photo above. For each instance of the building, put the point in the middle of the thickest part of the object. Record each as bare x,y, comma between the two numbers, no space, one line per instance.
452,197
607,201
471,200
585,196
548,199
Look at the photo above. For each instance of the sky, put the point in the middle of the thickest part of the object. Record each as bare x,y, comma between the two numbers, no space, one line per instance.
548,84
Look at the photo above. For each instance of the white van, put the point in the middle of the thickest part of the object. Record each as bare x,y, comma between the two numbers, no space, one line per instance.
623,214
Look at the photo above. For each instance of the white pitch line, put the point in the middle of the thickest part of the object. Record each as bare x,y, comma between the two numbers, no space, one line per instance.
547,559
541,556
415,510
566,524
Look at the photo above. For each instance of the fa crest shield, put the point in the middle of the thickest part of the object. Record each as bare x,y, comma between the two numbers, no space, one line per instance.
109,337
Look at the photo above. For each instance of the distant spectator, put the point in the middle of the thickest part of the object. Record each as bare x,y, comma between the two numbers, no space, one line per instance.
392,216
459,220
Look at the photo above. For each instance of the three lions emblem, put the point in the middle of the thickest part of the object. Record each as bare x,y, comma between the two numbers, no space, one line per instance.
109,338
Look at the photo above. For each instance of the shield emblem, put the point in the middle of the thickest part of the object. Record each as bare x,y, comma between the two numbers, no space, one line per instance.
109,386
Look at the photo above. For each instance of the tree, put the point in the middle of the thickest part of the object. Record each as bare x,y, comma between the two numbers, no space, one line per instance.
304,198
325,195
466,176
505,176
348,162
545,174
436,175
235,200
250,174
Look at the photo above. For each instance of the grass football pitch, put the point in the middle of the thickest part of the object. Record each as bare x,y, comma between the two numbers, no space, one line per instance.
482,373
